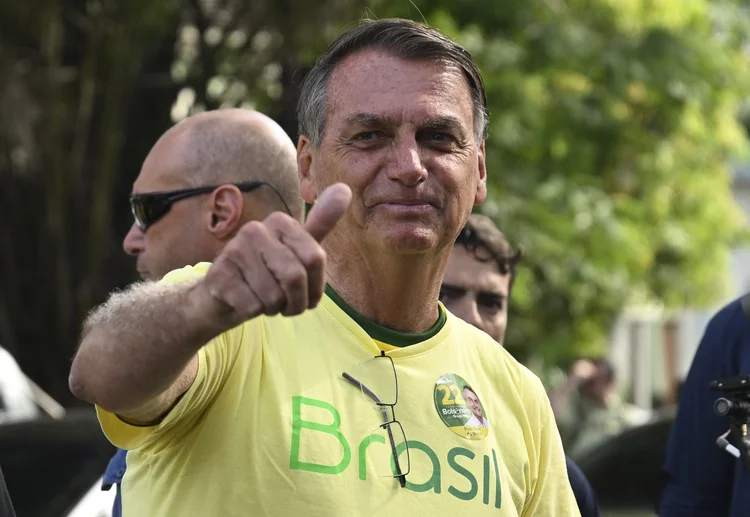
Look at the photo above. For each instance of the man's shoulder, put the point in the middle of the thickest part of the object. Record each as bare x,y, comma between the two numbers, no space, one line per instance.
732,312
728,329
496,360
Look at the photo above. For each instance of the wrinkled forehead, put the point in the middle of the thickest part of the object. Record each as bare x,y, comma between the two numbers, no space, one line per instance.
373,81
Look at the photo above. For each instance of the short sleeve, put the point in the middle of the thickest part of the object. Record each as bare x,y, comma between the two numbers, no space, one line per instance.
551,493
215,362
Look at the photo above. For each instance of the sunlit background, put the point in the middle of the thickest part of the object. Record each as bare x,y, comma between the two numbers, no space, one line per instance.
617,159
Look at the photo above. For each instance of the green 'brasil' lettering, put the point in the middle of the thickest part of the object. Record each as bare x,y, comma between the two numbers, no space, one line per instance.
486,490
472,493
434,481
333,429
366,441
498,496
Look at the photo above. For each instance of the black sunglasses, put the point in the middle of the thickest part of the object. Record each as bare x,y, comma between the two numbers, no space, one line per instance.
150,207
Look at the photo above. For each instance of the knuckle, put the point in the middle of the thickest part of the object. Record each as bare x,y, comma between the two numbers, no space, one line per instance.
279,220
294,310
314,257
273,308
252,230
295,276
216,277
231,253
247,310
274,302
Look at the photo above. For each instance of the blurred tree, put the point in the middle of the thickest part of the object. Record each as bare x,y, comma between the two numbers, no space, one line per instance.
86,88
72,95
613,125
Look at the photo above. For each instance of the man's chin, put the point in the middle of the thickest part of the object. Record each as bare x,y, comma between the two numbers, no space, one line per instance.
408,237
145,275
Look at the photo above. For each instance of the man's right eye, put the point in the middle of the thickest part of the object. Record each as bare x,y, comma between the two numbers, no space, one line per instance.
366,136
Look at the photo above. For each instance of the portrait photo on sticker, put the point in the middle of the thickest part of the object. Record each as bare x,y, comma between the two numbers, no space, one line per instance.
460,407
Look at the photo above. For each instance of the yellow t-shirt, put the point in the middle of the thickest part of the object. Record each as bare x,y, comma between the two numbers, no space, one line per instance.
271,427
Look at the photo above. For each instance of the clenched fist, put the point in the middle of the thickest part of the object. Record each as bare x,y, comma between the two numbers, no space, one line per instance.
276,266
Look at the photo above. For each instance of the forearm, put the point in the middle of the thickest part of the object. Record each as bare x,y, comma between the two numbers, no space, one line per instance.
136,345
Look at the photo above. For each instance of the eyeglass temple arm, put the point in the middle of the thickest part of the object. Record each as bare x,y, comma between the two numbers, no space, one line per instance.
367,391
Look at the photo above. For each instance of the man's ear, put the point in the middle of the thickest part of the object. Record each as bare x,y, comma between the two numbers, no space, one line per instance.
305,156
481,193
226,209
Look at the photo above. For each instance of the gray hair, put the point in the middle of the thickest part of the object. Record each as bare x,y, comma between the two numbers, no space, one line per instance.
404,39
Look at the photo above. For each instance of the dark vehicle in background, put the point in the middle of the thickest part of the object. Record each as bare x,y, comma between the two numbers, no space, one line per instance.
53,467
52,457
625,471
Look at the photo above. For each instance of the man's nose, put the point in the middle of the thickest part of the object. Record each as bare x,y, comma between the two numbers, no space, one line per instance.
406,164
134,242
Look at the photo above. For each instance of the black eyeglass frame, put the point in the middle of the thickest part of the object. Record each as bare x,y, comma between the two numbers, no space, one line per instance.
386,420
149,207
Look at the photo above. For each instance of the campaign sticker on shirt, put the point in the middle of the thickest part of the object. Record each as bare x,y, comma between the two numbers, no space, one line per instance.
460,408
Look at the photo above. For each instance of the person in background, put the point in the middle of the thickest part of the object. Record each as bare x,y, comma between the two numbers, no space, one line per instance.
477,288
214,148
588,408
703,480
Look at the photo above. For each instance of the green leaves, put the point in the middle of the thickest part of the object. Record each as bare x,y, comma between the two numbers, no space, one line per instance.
612,128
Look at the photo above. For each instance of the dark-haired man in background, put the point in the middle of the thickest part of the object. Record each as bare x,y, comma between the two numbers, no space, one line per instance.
477,288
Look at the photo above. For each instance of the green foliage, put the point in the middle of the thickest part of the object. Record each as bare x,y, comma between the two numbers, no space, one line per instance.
613,124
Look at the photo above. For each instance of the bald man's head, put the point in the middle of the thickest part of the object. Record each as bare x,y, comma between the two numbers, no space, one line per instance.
217,148
232,146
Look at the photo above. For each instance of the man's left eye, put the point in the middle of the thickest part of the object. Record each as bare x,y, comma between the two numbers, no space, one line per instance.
366,135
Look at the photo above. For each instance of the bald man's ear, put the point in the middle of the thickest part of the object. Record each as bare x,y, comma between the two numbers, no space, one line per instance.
227,207
304,169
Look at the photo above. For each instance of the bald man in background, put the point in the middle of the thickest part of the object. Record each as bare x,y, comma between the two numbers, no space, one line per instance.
205,178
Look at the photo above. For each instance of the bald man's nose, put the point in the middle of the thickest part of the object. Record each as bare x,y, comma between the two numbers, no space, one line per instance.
133,244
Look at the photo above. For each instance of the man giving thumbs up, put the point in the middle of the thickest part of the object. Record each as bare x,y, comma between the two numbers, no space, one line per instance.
310,369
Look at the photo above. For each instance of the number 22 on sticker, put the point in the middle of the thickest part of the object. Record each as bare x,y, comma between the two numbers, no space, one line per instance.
452,390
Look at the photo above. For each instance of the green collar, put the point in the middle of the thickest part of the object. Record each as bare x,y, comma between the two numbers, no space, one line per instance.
384,334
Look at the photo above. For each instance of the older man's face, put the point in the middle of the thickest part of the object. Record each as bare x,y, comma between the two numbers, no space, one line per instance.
401,135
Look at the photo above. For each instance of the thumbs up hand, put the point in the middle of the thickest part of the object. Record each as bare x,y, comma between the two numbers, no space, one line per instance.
274,266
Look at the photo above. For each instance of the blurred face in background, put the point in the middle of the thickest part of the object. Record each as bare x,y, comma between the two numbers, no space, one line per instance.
476,292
